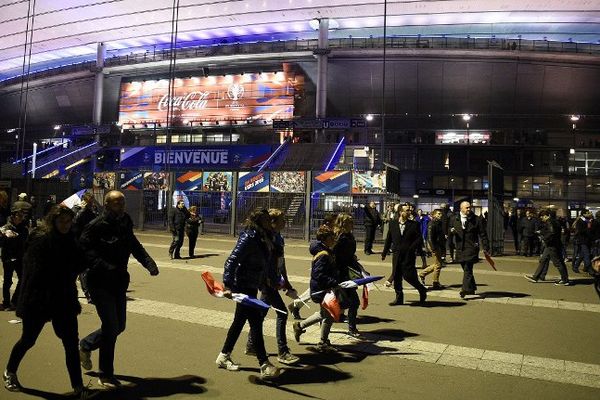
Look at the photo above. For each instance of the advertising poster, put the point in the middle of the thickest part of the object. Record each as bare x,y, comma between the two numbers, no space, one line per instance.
217,181
368,182
190,180
253,182
267,95
156,181
104,180
211,158
288,182
332,182
132,180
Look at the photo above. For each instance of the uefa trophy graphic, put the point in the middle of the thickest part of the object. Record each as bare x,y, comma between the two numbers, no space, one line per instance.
235,92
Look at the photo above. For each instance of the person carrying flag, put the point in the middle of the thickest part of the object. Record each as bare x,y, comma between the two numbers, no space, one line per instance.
245,273
323,277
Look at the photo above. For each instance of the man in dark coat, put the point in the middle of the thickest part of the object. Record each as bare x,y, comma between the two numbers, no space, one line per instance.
177,219
13,236
84,214
527,229
372,221
108,241
513,222
550,231
406,237
582,240
468,232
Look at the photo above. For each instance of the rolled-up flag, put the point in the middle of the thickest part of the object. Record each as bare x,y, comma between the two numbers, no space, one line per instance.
367,279
490,260
215,288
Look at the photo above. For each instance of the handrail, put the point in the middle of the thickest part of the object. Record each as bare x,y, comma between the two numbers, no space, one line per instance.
151,54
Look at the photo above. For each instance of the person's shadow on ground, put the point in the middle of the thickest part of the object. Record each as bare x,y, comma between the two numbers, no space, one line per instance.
136,388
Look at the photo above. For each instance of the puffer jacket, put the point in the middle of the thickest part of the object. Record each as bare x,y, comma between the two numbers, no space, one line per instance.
247,265
50,268
324,274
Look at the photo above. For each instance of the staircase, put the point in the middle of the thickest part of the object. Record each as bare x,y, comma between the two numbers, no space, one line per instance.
292,211
61,160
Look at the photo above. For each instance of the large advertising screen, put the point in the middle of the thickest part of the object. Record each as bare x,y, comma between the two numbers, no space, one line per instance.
287,182
368,182
267,95
332,182
253,182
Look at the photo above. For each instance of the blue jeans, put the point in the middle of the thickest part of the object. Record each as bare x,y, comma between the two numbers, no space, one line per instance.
111,306
582,252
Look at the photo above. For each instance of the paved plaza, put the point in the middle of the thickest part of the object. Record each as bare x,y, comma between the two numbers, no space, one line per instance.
514,340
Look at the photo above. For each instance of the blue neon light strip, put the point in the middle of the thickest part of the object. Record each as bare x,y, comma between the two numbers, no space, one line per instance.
60,158
336,154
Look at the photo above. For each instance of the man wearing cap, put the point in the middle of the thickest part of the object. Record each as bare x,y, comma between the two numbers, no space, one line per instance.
13,236
108,241
25,206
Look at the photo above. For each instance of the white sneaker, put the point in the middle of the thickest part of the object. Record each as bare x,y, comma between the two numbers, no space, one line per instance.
268,370
225,361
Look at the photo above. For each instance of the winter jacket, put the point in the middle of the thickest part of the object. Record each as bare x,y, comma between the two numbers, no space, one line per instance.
436,239
324,274
467,241
178,218
50,268
344,253
528,227
582,234
192,225
550,232
246,266
13,248
83,217
372,217
108,242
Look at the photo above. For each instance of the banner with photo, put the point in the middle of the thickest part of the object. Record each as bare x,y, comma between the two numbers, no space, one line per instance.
190,180
217,181
368,182
288,182
131,180
253,182
156,181
332,182
104,180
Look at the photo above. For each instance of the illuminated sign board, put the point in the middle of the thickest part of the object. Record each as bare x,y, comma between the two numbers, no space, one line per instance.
268,96
462,137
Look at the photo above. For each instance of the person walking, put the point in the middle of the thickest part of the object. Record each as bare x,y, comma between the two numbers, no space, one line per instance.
277,279
324,276
177,220
423,219
469,235
406,239
372,221
582,240
344,254
49,294
13,236
108,241
246,272
86,212
435,243
528,228
192,225
550,231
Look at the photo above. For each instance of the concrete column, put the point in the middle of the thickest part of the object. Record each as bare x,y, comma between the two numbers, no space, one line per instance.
99,84
307,204
321,54
234,197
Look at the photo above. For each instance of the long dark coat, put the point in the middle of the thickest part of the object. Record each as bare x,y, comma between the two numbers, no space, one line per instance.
469,240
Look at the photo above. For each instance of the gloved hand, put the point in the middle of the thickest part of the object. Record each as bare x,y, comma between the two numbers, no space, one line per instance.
347,285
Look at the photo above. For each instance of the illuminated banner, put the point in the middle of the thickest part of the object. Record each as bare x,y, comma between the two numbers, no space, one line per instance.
253,182
332,182
104,180
268,95
131,181
217,181
287,182
156,181
190,180
209,157
368,182
462,137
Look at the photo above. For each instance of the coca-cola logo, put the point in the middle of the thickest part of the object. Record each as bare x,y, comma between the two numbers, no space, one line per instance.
191,101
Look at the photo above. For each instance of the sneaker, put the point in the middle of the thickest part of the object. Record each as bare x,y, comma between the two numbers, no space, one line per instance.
437,286
85,358
325,346
298,331
295,311
287,358
11,383
530,278
268,370
224,361
354,333
109,382
562,283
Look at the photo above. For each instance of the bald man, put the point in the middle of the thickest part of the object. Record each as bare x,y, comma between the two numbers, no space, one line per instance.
108,241
468,232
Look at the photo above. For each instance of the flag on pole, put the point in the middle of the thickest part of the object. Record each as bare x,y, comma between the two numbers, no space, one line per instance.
215,288
74,199
332,305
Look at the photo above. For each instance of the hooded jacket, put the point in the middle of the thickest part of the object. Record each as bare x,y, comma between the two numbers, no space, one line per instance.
324,274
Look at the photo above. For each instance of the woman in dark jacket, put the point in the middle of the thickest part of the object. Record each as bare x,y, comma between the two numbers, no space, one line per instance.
191,229
48,293
344,252
245,273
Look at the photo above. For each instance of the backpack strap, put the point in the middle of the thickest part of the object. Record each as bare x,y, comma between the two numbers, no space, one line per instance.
321,253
